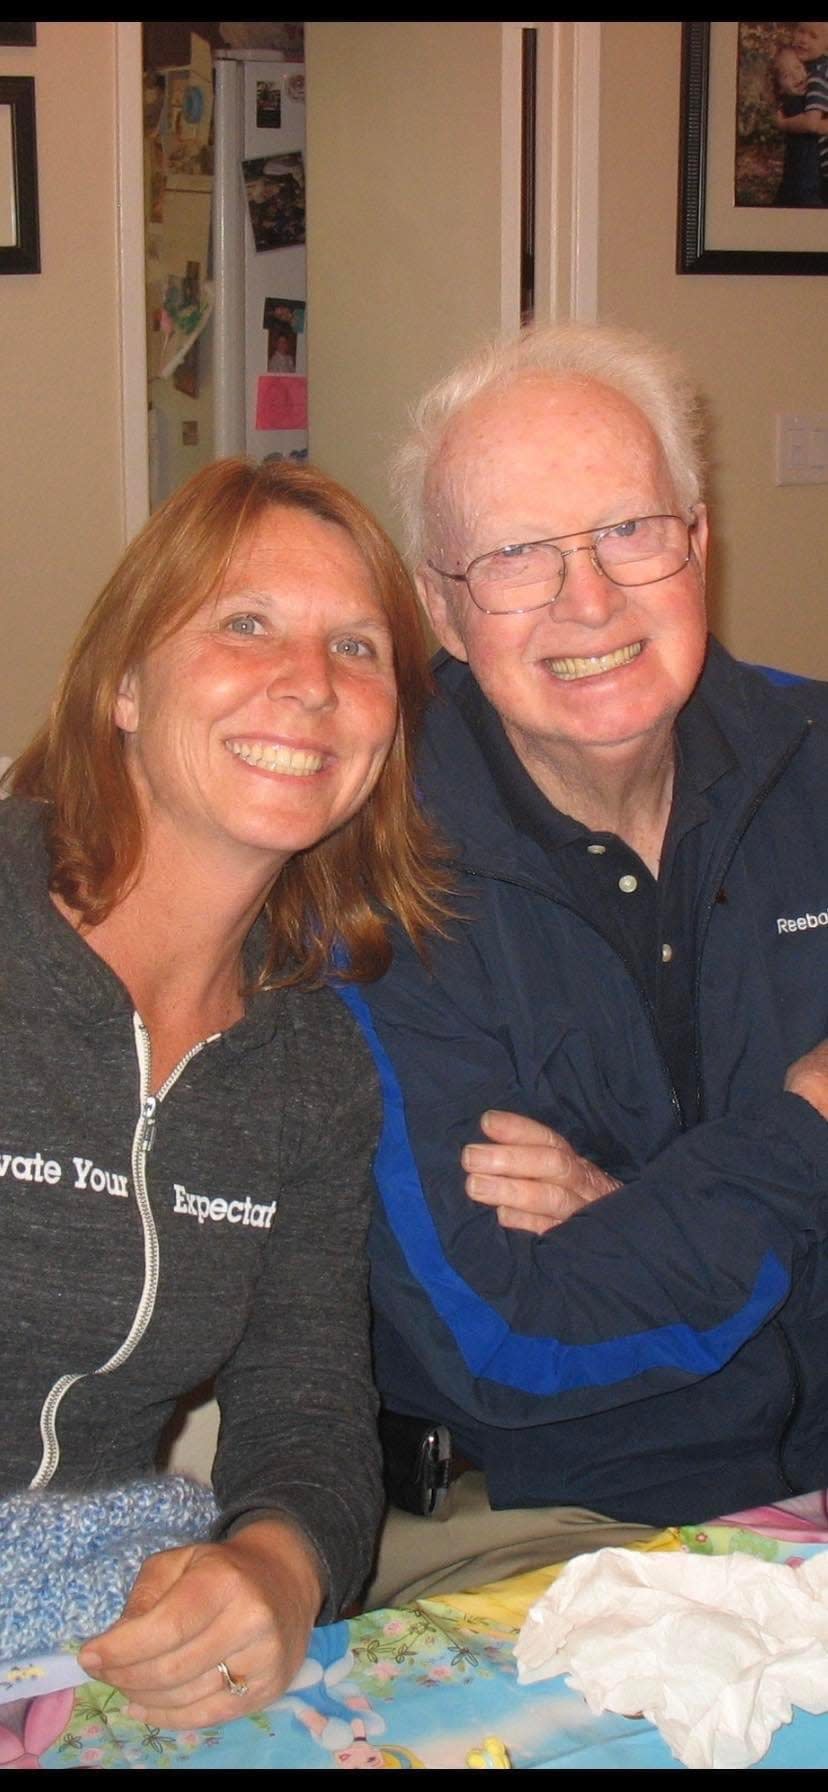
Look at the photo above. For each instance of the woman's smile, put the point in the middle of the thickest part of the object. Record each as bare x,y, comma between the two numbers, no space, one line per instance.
273,756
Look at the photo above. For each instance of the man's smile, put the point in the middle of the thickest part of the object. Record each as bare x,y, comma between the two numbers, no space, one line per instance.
576,666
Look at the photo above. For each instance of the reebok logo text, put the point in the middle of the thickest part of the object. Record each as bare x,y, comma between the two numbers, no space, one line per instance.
801,923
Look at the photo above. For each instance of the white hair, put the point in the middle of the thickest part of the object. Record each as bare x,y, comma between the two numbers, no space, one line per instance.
652,377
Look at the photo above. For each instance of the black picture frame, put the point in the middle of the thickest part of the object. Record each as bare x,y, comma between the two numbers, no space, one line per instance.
17,92
693,256
17,34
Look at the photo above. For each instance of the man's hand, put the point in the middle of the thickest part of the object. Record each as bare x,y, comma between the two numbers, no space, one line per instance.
808,1077
250,1602
530,1174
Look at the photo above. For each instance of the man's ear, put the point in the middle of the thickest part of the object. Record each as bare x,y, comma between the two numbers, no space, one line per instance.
698,539
126,704
440,612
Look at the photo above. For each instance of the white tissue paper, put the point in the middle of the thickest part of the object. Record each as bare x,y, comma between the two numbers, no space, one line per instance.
714,1650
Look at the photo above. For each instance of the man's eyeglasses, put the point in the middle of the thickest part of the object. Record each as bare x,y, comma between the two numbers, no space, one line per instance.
527,575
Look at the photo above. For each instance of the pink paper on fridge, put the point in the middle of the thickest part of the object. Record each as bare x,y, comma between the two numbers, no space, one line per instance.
281,401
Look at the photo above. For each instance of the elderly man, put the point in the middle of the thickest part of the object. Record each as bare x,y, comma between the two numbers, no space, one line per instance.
613,1030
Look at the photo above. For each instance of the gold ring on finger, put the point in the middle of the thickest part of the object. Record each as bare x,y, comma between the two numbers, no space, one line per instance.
237,1687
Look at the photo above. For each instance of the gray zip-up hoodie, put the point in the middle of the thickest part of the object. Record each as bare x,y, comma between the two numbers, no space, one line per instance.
147,1245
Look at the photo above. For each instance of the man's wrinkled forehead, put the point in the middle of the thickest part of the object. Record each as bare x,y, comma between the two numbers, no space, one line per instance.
482,448
456,503
511,449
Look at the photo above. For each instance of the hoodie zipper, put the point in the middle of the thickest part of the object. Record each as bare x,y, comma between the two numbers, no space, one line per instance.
142,1143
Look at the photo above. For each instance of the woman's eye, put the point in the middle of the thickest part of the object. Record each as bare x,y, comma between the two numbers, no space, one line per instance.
243,625
353,649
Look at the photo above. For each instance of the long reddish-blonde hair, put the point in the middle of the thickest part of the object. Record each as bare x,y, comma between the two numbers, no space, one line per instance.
335,895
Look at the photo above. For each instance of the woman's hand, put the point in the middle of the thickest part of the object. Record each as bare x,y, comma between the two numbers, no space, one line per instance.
530,1174
249,1602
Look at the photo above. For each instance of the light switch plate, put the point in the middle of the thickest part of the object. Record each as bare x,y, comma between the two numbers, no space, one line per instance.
801,450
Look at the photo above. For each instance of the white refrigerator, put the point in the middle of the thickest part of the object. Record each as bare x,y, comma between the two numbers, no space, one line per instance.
249,393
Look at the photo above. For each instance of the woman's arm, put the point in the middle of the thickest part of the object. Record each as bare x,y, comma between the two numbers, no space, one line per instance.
297,1471
298,1431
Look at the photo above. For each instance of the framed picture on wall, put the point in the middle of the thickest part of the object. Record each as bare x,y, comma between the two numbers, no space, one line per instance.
17,34
753,148
19,224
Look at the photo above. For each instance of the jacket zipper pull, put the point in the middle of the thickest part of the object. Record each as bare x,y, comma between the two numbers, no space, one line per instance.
148,1113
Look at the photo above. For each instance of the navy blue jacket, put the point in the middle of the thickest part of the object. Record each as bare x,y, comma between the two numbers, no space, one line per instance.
661,1356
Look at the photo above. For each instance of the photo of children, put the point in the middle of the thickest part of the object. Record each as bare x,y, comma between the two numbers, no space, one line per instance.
284,320
275,188
782,114
268,106
803,118
800,183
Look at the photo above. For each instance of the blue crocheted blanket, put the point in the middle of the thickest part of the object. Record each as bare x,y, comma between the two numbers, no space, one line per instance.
68,1561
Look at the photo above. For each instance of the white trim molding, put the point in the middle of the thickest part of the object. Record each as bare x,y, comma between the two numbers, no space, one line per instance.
132,330
567,170
511,122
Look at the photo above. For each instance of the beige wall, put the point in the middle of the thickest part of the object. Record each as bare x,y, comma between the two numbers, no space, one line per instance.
756,346
61,529
404,208
403,170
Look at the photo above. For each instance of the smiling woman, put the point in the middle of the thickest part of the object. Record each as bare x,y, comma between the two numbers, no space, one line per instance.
220,803
291,704
180,564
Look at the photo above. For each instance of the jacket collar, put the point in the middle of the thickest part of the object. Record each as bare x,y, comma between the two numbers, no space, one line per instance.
469,777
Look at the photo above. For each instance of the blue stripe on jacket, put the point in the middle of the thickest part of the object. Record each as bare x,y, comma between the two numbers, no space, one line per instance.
488,1346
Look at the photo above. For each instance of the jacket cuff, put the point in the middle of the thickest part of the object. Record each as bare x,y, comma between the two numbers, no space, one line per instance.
327,1524
795,1116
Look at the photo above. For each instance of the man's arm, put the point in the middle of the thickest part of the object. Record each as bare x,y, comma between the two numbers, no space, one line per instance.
655,1285
534,1180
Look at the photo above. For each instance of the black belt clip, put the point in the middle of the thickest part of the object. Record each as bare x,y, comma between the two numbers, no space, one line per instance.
417,1462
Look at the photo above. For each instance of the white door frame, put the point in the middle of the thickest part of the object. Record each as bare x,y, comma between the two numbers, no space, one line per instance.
566,170
566,265
511,95
132,327
568,121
